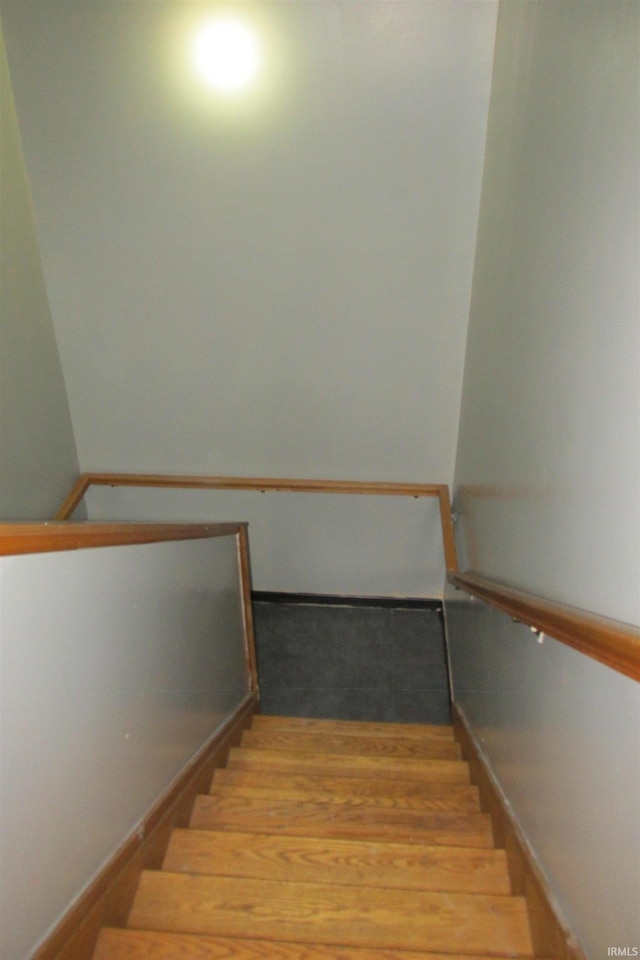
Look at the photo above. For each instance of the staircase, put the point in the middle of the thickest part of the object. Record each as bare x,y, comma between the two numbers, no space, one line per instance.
330,840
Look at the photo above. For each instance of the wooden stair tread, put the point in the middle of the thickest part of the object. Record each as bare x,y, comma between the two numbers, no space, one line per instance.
309,818
360,728
351,801
116,944
338,743
338,915
366,863
339,765
361,791
328,840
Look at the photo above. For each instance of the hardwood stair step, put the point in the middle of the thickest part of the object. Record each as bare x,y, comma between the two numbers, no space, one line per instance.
347,862
395,747
360,728
309,818
337,915
350,801
398,794
116,944
339,765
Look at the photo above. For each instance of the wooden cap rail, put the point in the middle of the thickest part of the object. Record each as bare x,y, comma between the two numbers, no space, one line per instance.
611,642
264,484
18,538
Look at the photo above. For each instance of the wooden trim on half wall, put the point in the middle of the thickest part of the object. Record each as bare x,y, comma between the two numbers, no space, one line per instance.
264,484
244,563
19,538
613,643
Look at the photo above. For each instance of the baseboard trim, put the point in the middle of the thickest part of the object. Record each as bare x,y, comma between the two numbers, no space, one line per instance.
551,935
329,600
108,898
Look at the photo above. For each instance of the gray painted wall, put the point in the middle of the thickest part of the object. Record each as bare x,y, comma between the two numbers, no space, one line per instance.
562,733
548,468
112,681
279,286
38,461
347,545
547,473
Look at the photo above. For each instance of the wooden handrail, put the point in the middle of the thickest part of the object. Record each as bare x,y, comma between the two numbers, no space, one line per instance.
611,642
196,482
20,538
263,484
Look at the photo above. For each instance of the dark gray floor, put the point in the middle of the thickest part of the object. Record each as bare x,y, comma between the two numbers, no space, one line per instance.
351,663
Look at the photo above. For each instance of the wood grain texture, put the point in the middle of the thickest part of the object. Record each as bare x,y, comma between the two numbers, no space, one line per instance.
75,495
338,743
108,898
340,821
372,791
375,487
611,642
264,484
336,765
551,934
244,566
615,644
359,728
150,945
257,877
350,803
405,866
21,538
339,915
448,533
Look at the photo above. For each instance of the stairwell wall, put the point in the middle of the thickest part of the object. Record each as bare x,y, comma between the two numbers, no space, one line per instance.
273,286
38,459
547,473
117,666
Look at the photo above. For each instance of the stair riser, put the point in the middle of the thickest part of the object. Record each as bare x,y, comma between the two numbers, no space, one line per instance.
414,731
376,791
352,745
335,765
222,786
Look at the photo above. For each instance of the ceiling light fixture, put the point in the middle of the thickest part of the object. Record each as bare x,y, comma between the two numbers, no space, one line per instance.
227,54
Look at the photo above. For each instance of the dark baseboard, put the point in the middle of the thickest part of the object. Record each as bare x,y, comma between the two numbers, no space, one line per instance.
108,898
552,938
329,600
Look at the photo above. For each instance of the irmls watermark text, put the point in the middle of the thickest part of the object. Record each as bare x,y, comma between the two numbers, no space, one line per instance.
623,951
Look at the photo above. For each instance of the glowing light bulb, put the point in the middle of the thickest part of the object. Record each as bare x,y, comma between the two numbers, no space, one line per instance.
227,54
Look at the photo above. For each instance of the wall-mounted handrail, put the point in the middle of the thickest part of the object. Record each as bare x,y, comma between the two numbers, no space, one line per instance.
263,484
18,538
611,642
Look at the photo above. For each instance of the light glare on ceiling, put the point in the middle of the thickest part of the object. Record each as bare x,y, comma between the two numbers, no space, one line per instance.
227,54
